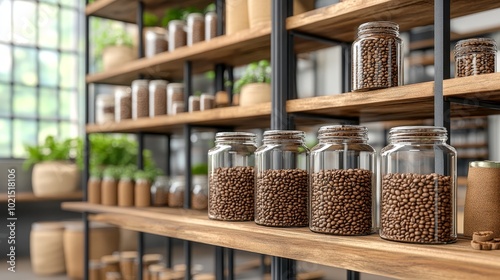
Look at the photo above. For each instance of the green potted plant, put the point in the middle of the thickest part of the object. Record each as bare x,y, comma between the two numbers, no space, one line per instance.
55,166
255,85
113,45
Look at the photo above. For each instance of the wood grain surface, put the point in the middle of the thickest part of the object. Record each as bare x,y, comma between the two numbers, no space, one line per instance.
360,253
30,197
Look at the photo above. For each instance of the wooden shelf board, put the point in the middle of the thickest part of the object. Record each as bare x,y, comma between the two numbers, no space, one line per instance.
470,145
126,10
410,102
367,254
30,197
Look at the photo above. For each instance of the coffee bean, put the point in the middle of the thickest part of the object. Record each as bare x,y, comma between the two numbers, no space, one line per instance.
176,199
231,194
176,35
341,202
196,29
140,99
158,92
475,57
125,107
199,201
428,218
281,198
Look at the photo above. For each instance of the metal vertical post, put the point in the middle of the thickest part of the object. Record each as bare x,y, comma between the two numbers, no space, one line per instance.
230,77
219,263
353,275
346,68
219,77
188,91
168,172
86,154
140,25
230,264
140,235
441,62
221,17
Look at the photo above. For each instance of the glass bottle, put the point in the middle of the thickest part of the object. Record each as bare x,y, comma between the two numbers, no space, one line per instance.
140,99
123,103
199,193
232,177
195,28
157,98
343,186
377,60
282,164
176,34
156,41
159,190
475,57
210,26
419,183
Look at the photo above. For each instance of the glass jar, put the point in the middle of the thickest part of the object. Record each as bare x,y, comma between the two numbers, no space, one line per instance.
110,264
176,34
343,189
128,265
95,267
199,193
210,26
142,193
94,190
377,60
125,192
176,192
109,191
156,41
475,57
419,182
282,165
177,107
207,102
231,177
157,98
159,190
147,261
175,92
105,108
194,103
140,99
123,103
195,28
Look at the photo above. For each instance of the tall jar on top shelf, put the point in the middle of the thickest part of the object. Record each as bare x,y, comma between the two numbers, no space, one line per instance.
343,189
377,60
231,177
282,165
418,188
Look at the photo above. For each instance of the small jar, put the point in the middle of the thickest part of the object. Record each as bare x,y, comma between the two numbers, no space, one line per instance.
210,26
155,270
177,107
140,99
95,267
123,104
148,260
114,275
142,194
159,189
377,60
157,98
175,92
126,192
105,108
282,164
199,193
194,103
176,192
156,41
207,102
110,264
176,34
127,265
94,190
109,191
195,28
475,57
419,182
231,177
343,189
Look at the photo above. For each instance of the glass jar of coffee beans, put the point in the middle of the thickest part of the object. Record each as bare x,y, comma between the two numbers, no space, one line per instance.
475,57
195,28
140,99
343,188
231,174
377,60
176,34
419,182
282,164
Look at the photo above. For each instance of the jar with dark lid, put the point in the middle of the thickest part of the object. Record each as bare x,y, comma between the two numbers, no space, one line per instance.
176,34
157,98
418,188
282,164
195,28
343,187
377,60
210,26
475,57
156,41
231,186
140,99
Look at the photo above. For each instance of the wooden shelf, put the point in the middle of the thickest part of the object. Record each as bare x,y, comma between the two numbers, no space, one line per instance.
126,10
470,145
408,102
368,254
30,197
338,21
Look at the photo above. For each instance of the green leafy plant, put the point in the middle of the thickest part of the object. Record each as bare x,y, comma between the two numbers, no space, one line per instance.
141,175
210,8
112,172
256,72
128,172
107,33
54,150
177,14
199,169
150,19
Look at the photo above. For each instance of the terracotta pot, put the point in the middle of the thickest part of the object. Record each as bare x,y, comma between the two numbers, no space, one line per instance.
236,16
259,11
115,56
54,177
255,93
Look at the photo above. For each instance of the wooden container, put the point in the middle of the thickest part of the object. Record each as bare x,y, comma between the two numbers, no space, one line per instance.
125,192
110,264
128,265
95,267
259,11
236,16
46,248
109,192
255,93
148,260
104,240
142,193
94,190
